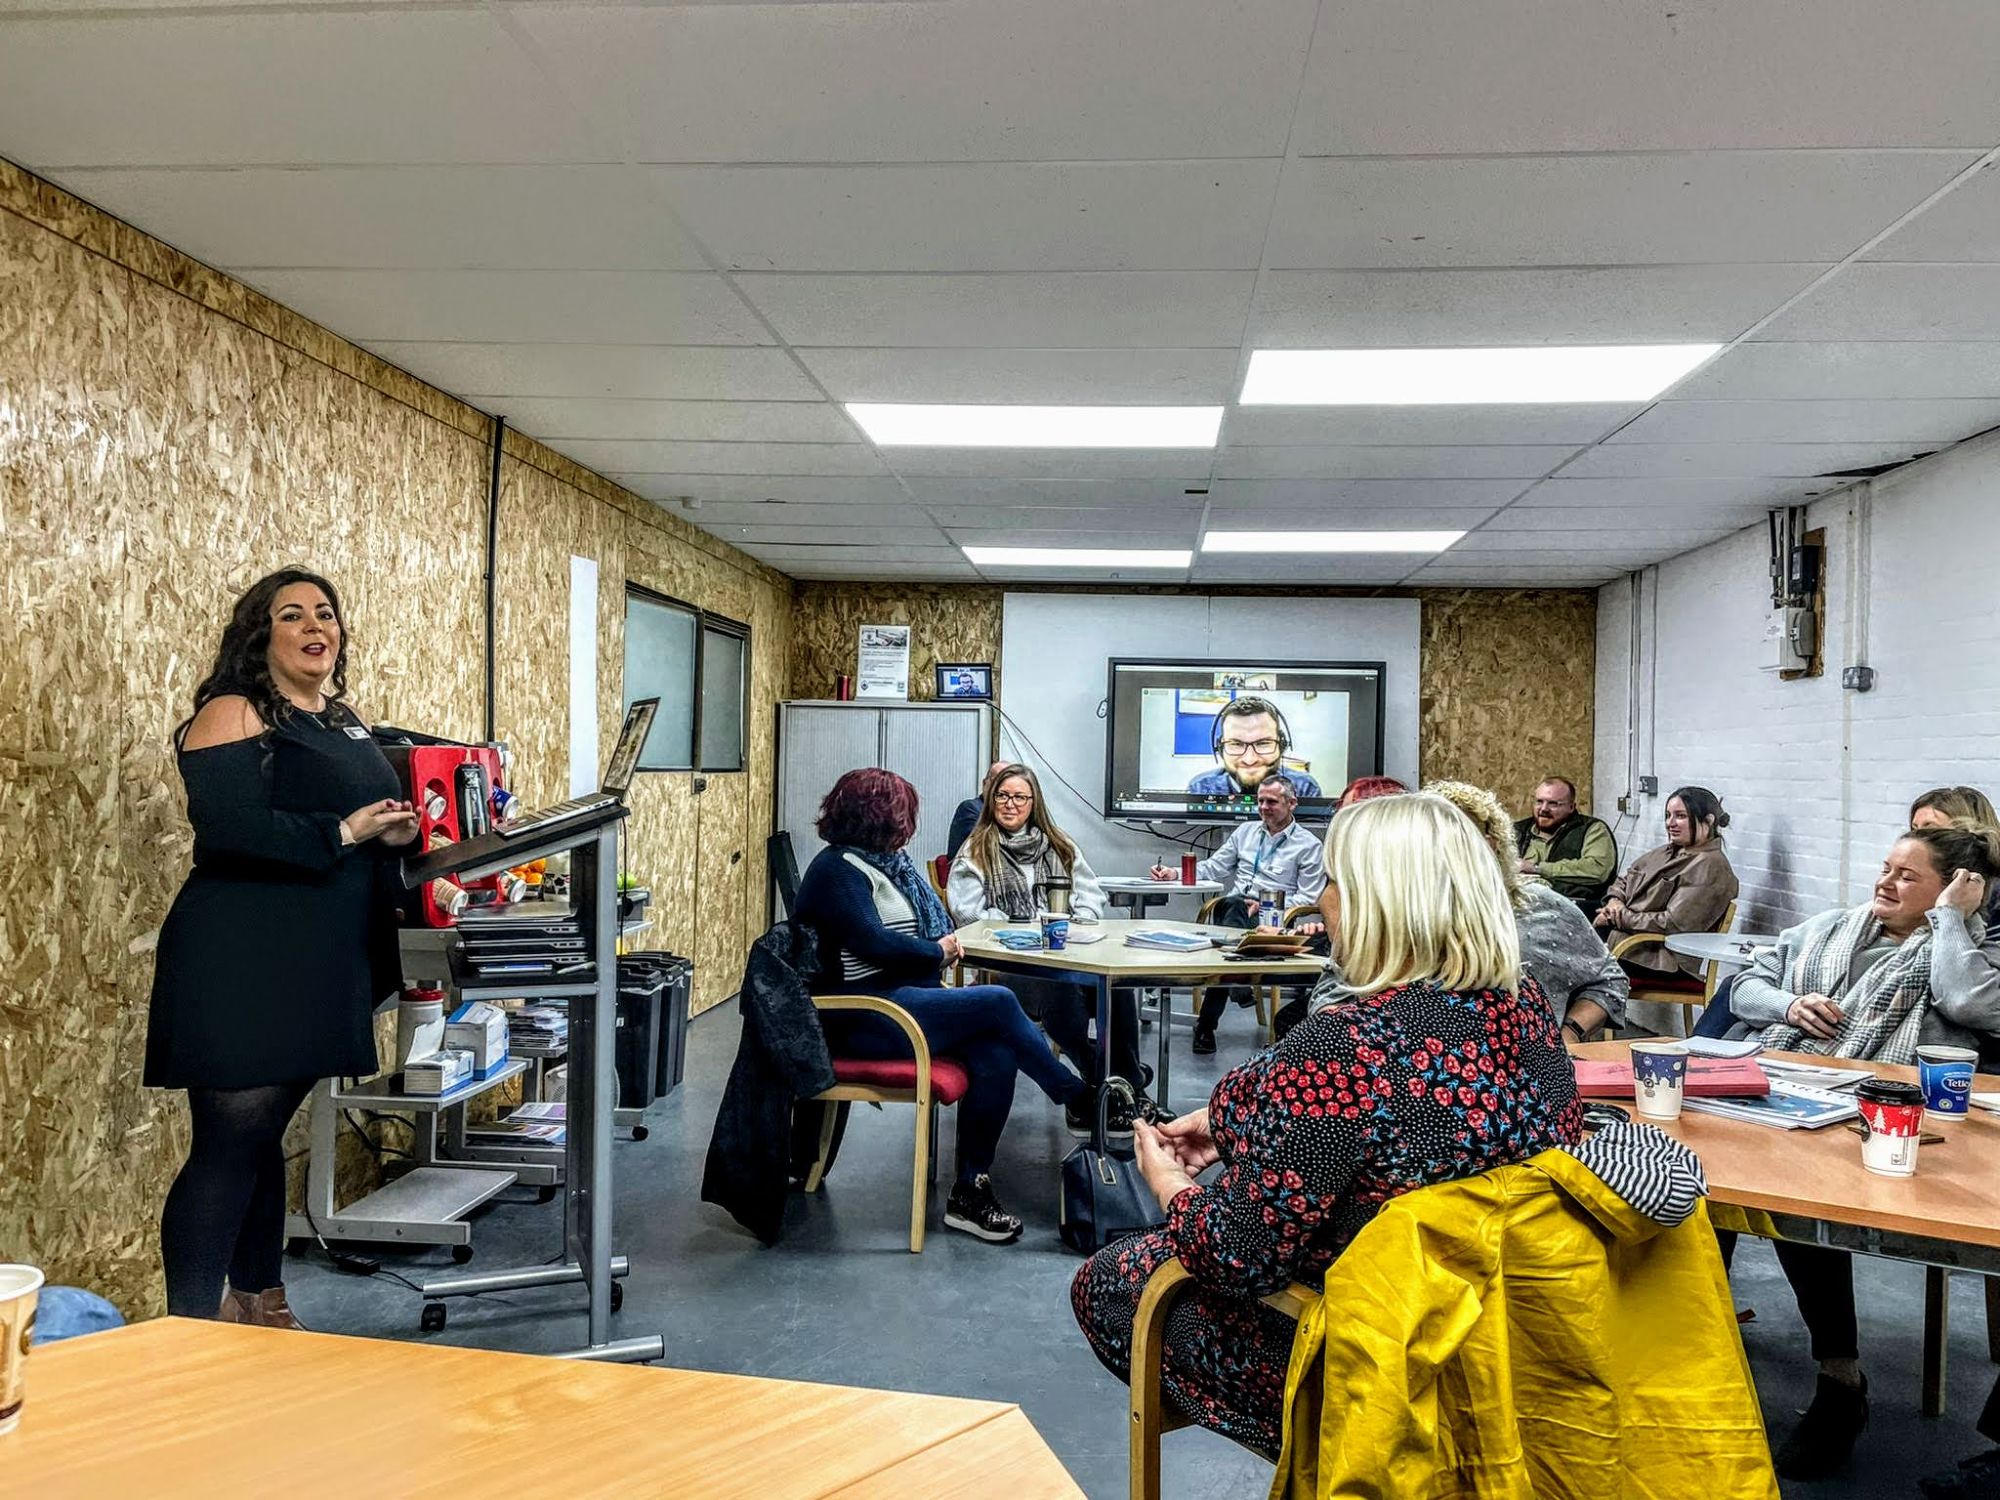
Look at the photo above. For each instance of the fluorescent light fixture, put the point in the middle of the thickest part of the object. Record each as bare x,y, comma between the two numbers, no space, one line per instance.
1075,557
1467,377
897,425
1329,541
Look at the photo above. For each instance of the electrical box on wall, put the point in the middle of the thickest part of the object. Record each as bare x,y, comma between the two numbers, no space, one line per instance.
1788,640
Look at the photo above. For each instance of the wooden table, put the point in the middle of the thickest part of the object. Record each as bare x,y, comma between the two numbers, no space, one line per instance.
1110,962
183,1408
1810,1186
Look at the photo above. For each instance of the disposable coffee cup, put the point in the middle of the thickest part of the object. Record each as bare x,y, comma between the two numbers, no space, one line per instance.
1659,1078
20,1290
1945,1076
1055,931
1892,1122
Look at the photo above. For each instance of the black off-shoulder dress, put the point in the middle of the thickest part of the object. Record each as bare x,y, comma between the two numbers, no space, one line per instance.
282,940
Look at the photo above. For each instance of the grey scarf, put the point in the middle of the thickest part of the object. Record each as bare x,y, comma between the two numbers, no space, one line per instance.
1884,1012
1027,859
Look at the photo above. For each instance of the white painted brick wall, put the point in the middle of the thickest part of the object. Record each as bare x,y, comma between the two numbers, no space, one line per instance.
1817,779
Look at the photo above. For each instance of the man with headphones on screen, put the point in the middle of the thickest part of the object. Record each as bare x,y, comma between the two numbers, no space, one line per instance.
1250,738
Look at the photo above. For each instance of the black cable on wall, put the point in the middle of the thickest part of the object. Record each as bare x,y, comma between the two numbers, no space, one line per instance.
492,571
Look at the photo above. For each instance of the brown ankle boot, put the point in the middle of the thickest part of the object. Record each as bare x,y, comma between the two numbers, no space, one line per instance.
265,1309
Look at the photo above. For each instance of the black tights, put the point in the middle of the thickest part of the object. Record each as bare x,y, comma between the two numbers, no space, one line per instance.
225,1213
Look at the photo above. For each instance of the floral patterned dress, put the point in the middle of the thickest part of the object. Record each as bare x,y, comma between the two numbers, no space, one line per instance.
1362,1101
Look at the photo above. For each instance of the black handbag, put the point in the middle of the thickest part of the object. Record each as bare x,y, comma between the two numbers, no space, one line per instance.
1104,1199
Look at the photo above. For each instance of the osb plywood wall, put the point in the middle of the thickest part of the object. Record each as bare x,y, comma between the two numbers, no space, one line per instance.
947,623
1507,693
166,436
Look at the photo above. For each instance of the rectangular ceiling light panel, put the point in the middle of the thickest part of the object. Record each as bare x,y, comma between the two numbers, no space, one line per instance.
1328,541
901,425
1467,377
1076,557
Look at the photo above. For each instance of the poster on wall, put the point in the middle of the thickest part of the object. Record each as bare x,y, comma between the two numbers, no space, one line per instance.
883,670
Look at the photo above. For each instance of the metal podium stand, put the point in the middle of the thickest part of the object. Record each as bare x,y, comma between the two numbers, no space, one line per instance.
592,844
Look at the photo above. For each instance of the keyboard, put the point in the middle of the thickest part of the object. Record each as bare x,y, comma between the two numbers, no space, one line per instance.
561,812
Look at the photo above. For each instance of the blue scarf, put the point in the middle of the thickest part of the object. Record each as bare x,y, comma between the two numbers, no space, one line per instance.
932,920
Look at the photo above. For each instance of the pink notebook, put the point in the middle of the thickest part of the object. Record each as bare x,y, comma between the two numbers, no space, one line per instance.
1707,1077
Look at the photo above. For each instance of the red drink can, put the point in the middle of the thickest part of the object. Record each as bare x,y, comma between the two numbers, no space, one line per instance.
1187,869
843,688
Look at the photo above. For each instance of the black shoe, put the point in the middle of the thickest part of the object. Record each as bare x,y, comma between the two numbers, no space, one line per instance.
973,1209
1081,1118
1203,1043
1821,1444
1975,1478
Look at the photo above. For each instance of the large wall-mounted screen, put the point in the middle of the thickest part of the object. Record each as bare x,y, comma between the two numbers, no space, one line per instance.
1193,740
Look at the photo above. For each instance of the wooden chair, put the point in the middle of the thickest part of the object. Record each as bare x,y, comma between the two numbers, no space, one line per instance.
938,867
1150,1418
919,1079
1689,993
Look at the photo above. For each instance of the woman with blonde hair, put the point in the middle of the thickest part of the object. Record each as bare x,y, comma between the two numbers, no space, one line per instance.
1439,1062
1004,872
1576,973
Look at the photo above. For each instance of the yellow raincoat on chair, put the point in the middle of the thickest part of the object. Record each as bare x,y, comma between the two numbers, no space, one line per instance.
1523,1335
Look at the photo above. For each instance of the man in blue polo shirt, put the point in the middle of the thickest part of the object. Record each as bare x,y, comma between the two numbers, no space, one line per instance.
1250,741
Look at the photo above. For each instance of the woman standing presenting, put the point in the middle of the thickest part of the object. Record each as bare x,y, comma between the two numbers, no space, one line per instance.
280,941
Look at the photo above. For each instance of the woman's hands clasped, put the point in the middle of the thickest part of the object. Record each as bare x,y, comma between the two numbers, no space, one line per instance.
1170,1155
391,821
1815,1015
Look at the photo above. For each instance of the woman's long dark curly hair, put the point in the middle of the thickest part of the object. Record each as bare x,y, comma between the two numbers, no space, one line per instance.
242,661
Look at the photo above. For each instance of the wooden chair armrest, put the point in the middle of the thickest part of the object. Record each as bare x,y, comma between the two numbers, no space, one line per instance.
1632,942
902,1018
1292,1300
1303,909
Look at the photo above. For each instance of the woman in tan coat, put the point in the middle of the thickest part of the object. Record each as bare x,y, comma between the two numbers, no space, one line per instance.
1683,886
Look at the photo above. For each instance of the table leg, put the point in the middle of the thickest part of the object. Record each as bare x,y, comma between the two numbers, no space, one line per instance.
1098,1138
1992,1284
1164,1024
1937,1313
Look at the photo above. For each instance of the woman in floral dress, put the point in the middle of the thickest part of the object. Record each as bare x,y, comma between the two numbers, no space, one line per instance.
1439,1061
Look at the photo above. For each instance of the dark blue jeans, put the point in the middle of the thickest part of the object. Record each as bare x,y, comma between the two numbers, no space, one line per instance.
983,1027
1717,1019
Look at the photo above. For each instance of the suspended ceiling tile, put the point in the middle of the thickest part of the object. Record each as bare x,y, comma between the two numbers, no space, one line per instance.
722,458
1962,226
818,490
994,216
1318,426
1936,421
1016,377
679,421
388,84
1723,460
585,307
1847,371
658,372
1579,75
1051,80
1093,309
1460,494
1381,461
1664,493
415,218
1893,303
1545,305
1600,210
1051,463
1110,494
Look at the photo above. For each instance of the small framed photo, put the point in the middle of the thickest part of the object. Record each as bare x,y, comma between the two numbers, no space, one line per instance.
971,680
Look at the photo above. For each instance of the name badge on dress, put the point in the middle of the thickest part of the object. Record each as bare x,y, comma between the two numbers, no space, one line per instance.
356,732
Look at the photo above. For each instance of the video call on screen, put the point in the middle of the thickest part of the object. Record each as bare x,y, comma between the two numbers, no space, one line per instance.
1176,750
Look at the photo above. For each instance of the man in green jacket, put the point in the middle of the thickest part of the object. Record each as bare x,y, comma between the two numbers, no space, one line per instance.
1572,851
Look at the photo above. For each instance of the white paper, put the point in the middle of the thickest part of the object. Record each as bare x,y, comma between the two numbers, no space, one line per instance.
583,767
883,666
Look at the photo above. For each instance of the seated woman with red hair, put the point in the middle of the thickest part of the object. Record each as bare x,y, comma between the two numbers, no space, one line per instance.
882,931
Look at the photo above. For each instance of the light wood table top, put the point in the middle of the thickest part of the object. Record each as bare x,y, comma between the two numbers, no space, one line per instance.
184,1408
1817,1174
1110,955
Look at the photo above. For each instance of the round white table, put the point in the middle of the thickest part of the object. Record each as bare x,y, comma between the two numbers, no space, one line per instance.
1732,950
1138,892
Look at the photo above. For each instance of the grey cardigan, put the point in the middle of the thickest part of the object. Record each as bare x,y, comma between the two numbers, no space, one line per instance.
1965,979
1562,953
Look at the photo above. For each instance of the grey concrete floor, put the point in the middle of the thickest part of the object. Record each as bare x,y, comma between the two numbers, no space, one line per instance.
842,1300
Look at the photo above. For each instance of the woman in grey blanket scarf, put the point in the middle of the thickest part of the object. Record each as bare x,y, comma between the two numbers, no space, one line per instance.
1003,873
1874,982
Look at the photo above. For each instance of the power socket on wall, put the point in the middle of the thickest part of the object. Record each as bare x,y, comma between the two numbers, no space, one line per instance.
1649,786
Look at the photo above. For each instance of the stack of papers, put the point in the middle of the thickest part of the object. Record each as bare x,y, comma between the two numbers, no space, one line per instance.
1789,1106
543,1124
1813,1075
1172,942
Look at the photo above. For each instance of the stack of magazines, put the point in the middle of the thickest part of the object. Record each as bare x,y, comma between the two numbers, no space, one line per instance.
1791,1105
1164,938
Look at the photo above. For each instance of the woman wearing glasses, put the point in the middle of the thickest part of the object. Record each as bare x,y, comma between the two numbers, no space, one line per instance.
1003,873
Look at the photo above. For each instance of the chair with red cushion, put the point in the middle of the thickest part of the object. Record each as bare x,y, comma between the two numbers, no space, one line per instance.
919,1079
1687,991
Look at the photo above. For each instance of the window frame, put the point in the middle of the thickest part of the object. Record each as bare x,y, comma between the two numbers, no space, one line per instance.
704,622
